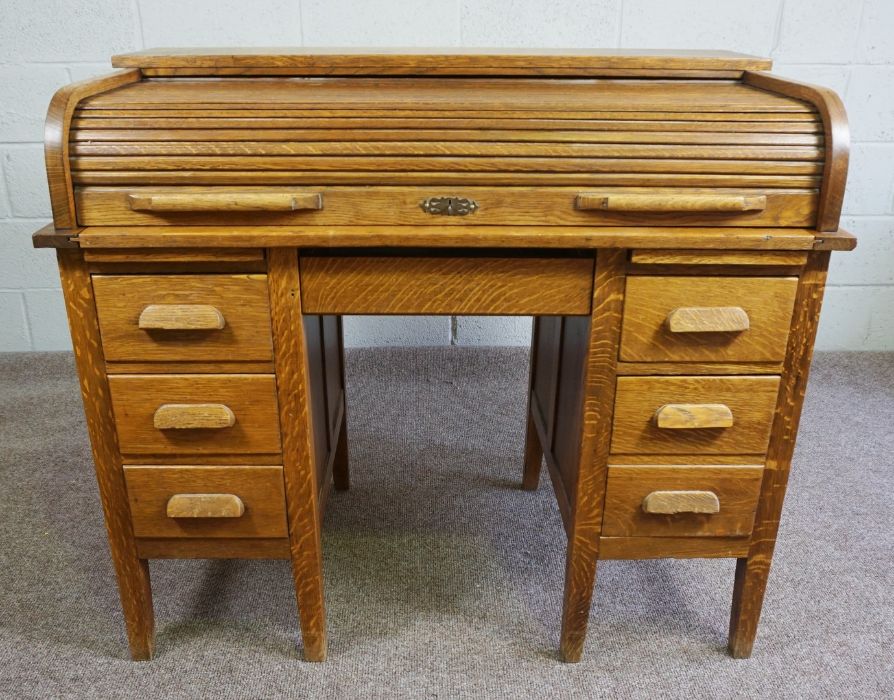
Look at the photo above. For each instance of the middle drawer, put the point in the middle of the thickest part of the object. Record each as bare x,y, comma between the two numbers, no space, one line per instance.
196,414
694,415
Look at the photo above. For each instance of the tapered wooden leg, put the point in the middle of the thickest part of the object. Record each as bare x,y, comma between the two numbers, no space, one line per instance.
131,571
299,460
580,579
588,495
340,471
753,571
748,599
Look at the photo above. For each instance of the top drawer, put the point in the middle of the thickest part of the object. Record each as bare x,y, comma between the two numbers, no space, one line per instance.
187,318
436,204
707,319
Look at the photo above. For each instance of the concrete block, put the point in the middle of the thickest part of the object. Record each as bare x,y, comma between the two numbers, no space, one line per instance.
13,326
47,319
834,77
25,93
493,330
818,31
873,260
700,24
380,23
870,185
82,71
21,265
875,44
870,103
375,331
26,180
857,318
5,208
533,23
66,30
221,22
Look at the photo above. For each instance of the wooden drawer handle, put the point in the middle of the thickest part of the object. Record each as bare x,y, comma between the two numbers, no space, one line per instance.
657,203
193,416
181,317
235,201
205,505
708,319
686,416
673,502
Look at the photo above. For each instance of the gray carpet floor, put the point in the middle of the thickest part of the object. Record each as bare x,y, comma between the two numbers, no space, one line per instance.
443,579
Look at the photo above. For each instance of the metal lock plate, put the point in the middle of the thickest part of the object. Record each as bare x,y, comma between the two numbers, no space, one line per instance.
449,206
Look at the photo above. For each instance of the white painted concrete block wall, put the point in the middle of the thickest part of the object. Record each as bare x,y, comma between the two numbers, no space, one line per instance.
844,44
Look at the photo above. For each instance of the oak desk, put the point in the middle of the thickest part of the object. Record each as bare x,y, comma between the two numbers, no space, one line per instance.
666,217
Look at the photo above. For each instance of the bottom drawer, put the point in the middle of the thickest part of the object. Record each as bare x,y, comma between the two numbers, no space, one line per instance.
206,501
681,501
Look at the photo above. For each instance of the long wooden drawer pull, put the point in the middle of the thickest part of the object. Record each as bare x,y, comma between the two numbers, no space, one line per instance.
193,416
205,505
181,317
219,201
708,319
658,203
687,416
673,502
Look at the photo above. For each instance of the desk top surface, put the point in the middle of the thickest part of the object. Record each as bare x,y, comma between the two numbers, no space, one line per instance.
433,61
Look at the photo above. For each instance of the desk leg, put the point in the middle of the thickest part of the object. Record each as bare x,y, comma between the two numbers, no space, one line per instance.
753,571
533,449
588,493
132,572
299,463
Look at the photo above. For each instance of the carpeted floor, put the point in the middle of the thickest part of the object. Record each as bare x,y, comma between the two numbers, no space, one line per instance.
443,579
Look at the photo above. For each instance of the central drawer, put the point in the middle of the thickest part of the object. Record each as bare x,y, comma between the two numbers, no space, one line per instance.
446,285
196,414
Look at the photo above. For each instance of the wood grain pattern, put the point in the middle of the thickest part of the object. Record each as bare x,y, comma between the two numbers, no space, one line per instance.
587,501
104,206
671,203
836,137
735,487
379,61
251,398
56,142
675,502
149,237
150,490
174,256
767,302
753,570
181,317
691,416
707,319
696,368
221,202
717,257
672,547
241,300
461,285
750,399
302,491
131,568
193,416
213,548
205,505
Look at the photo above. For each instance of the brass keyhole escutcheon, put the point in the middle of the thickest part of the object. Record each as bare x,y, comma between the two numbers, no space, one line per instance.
449,206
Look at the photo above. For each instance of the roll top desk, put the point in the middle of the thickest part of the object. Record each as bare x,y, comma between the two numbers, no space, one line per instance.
667,218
